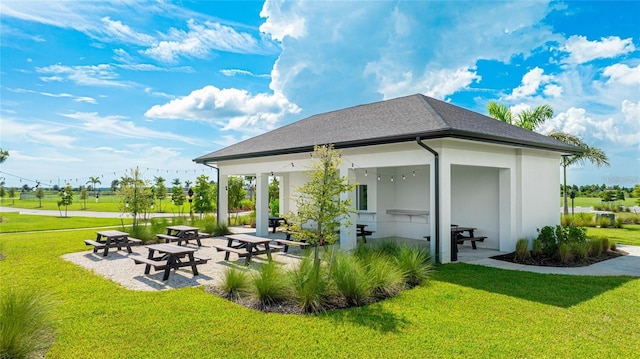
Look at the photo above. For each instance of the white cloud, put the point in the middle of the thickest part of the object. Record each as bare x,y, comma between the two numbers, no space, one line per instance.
97,75
582,50
281,22
623,74
552,91
149,67
58,95
234,72
118,127
531,82
118,30
232,109
16,131
200,40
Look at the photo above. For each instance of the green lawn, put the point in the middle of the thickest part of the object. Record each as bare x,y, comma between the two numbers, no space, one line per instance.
592,201
14,222
109,204
465,311
630,234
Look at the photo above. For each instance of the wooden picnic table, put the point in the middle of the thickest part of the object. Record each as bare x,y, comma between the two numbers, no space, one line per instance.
247,246
275,222
171,257
362,232
183,234
111,239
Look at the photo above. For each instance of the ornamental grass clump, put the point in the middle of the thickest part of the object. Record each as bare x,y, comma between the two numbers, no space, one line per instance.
415,264
350,279
386,278
536,248
564,252
235,283
596,247
269,288
25,323
581,250
310,285
522,250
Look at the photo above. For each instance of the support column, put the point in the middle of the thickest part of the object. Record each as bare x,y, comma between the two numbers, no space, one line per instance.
445,208
262,204
223,199
348,235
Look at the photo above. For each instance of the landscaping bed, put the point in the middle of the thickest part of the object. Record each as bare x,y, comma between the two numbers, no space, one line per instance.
555,261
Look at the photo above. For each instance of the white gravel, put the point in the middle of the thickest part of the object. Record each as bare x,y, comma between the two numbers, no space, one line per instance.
119,266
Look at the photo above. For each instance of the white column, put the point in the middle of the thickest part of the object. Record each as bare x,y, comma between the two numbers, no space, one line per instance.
506,227
283,196
348,235
262,204
223,199
445,208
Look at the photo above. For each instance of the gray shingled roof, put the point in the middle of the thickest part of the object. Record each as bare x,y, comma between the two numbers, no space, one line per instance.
397,120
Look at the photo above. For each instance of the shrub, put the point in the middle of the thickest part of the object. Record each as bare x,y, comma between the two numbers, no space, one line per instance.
385,276
547,238
564,251
566,220
235,283
603,222
605,244
389,248
613,246
310,285
350,279
581,250
268,284
208,224
576,234
618,223
536,248
522,249
144,233
25,323
415,264
220,230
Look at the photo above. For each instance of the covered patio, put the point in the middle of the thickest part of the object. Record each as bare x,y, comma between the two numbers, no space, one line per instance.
421,165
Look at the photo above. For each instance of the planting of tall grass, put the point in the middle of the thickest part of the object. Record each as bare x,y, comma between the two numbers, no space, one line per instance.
415,264
564,251
310,285
25,323
536,248
269,288
389,248
235,283
522,249
596,247
350,278
386,278
581,250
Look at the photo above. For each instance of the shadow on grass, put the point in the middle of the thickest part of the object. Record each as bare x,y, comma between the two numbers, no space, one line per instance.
552,289
371,316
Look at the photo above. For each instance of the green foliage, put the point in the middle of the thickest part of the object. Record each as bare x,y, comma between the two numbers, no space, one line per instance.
205,195
310,285
235,283
536,248
581,250
596,247
564,251
389,248
40,195
269,288
135,195
636,193
274,196
415,264
547,239
25,322
274,208
385,276
220,229
318,201
350,279
83,196
522,249
66,199
160,191
236,192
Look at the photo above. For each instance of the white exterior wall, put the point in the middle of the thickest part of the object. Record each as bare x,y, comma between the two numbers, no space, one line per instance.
503,191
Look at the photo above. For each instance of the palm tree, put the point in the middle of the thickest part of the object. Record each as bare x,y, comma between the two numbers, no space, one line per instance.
528,119
93,181
593,154
3,155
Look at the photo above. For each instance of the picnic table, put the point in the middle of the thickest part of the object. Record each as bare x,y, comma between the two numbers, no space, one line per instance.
275,222
171,257
246,246
362,232
111,239
181,234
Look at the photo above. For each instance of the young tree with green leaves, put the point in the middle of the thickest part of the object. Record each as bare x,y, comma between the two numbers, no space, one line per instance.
4,154
135,195
320,210
636,193
236,193
40,195
66,199
114,185
274,197
177,196
94,180
12,195
83,196
203,195
160,190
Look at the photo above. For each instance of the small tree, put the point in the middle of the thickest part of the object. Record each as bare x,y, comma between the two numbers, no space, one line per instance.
203,201
83,196
114,185
177,196
320,211
3,193
40,195
93,181
636,193
236,193
160,190
134,194
274,196
66,199
12,194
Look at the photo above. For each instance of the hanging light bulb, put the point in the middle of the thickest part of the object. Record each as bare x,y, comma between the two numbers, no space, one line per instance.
414,173
391,178
403,177
365,173
378,177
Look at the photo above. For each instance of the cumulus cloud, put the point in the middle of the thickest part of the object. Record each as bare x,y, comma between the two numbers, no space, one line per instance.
233,109
582,50
96,75
282,20
623,74
531,82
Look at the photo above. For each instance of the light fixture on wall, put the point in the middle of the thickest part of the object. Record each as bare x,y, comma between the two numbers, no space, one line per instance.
378,177
391,178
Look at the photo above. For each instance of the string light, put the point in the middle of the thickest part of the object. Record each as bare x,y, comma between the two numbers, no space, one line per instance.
403,177
391,178
365,173
378,177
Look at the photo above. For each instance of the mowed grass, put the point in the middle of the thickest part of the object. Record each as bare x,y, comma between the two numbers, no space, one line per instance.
14,222
594,201
629,234
108,204
464,311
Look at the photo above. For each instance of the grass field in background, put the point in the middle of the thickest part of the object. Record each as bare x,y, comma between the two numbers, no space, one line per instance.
106,204
593,201
464,311
13,222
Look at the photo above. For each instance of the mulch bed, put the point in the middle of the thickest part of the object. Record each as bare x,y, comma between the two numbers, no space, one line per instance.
556,262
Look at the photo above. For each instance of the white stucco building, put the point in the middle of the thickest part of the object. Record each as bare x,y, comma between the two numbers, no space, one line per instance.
421,165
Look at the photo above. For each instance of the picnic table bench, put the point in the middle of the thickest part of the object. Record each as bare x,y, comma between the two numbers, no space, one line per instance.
183,234
111,239
362,232
287,242
247,246
172,257
275,222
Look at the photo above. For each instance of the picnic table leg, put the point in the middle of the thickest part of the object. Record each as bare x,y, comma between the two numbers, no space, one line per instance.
107,244
266,246
250,252
147,268
194,267
167,269
126,243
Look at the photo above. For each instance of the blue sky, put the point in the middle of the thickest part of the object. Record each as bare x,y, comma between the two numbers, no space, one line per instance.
93,88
